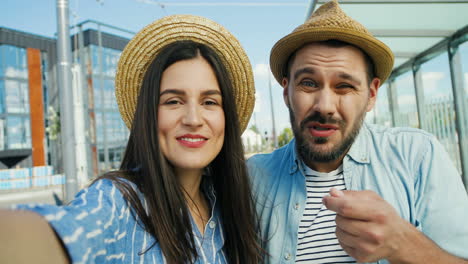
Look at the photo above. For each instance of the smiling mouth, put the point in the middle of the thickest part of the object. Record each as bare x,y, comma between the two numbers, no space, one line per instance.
192,139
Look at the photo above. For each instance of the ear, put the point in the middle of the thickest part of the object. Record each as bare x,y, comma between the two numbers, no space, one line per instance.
373,89
285,84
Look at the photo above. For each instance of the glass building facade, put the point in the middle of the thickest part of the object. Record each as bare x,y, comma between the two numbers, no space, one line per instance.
24,98
98,54
111,132
15,132
95,56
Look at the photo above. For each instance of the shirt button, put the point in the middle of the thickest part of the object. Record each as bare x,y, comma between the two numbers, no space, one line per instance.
296,206
212,224
287,256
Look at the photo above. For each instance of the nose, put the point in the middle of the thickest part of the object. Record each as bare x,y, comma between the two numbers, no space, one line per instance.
325,101
192,116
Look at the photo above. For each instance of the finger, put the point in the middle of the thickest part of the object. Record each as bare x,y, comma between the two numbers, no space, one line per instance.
349,250
336,193
354,204
366,230
358,247
346,238
350,225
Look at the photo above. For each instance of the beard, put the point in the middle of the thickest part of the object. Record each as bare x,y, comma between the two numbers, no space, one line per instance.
307,145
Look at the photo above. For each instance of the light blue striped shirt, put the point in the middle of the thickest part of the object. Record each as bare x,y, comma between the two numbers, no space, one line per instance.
98,227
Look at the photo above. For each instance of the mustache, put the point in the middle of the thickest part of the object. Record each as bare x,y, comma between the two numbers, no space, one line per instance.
322,119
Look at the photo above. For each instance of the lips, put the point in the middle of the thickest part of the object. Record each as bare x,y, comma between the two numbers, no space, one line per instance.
321,130
192,141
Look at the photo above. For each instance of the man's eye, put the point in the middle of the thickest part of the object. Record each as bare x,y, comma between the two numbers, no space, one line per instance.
308,83
345,86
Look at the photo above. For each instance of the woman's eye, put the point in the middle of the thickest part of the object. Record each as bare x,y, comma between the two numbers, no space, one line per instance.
210,102
172,102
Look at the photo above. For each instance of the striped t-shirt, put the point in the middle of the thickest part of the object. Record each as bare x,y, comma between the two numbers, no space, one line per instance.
317,242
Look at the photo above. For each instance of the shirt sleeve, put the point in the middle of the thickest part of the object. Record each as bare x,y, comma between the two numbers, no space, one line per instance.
93,226
442,202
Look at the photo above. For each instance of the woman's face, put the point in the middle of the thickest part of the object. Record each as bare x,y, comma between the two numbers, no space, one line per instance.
191,116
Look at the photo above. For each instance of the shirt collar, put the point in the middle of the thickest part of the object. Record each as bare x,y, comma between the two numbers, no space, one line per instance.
358,151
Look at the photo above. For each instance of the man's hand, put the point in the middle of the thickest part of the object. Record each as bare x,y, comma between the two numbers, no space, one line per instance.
367,227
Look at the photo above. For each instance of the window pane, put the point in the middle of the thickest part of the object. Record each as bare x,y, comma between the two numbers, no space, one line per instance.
12,96
2,96
13,62
383,115
439,108
406,113
2,134
99,129
98,103
109,94
24,91
18,132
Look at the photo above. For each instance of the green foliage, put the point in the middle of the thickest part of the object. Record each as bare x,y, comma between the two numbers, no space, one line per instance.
285,136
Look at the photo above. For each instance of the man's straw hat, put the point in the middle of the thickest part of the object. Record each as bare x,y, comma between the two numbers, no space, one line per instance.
330,22
146,45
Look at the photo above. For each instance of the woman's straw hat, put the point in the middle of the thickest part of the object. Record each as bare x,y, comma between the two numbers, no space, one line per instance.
330,22
146,44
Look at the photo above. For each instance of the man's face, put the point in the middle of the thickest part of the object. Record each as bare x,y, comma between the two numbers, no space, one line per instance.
328,95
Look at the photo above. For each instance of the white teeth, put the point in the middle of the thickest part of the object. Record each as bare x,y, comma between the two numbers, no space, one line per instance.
192,139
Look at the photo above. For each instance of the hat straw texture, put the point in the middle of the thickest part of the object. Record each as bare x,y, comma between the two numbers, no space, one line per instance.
147,43
326,23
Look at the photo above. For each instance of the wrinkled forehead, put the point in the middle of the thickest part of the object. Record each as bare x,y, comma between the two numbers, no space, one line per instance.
326,56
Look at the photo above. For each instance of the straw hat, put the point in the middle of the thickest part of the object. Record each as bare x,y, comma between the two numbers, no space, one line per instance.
330,22
146,44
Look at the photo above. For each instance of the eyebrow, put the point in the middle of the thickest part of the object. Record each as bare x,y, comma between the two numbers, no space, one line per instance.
181,92
303,70
342,75
349,77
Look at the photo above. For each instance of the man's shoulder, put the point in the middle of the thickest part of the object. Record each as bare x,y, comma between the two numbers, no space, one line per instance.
283,154
400,143
399,134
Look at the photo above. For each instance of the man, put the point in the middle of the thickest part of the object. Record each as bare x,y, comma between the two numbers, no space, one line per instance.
344,191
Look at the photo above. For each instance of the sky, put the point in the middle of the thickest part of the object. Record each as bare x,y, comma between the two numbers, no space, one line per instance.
257,24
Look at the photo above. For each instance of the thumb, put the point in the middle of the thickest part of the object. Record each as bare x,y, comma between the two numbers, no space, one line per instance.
336,193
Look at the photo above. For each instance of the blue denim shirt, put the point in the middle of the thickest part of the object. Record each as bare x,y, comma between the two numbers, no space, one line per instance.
408,167
99,227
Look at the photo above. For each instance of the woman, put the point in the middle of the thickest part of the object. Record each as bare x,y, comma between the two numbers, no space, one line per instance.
184,87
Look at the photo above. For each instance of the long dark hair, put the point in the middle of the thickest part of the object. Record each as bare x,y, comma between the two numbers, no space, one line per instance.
167,217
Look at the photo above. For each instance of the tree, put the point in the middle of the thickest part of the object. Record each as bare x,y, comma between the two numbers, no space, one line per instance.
285,136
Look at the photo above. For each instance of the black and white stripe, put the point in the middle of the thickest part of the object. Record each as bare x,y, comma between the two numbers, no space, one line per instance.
317,242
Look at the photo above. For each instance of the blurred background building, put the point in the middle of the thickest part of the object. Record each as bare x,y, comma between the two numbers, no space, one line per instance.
427,89
30,153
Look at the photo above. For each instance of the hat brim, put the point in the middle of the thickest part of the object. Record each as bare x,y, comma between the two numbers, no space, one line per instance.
381,55
147,43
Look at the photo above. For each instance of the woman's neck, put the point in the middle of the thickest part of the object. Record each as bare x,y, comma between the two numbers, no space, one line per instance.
190,181
197,204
